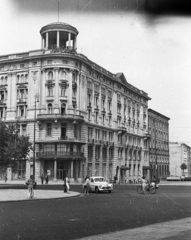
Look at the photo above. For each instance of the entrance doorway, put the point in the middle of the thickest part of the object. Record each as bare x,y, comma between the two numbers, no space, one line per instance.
62,169
61,174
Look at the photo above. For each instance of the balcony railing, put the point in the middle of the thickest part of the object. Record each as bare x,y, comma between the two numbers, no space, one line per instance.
62,154
59,116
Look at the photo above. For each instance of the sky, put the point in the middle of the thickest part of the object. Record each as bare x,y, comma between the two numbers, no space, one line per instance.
148,40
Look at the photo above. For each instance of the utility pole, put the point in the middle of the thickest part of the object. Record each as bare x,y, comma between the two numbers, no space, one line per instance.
34,153
156,167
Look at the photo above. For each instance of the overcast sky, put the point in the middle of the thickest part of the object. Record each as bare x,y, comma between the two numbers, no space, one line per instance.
152,50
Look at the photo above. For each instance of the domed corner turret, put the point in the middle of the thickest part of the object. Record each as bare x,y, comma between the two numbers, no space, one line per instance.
59,36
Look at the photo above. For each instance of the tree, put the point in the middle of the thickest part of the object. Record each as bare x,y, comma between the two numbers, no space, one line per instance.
13,147
3,141
183,166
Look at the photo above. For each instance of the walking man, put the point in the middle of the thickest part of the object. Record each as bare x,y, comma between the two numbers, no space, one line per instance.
30,184
42,178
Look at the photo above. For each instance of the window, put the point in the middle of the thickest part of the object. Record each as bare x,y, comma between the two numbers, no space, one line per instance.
49,61
103,103
74,92
24,129
1,112
2,96
49,129
63,92
50,91
75,130
50,75
104,153
103,118
90,133
109,120
49,108
109,105
63,131
96,117
63,109
22,79
110,153
21,111
90,153
96,100
110,137
104,135
22,65
89,115
97,134
97,152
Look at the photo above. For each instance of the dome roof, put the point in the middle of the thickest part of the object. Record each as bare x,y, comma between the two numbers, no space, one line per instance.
59,26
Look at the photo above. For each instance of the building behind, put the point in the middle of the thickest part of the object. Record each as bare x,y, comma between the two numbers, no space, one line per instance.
180,153
89,120
159,143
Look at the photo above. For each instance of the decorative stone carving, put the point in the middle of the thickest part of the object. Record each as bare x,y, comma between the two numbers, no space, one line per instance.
34,76
62,49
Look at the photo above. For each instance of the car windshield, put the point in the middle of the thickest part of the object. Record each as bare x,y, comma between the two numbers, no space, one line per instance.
99,180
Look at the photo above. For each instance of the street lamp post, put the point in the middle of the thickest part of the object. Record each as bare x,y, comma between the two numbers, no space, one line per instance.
34,157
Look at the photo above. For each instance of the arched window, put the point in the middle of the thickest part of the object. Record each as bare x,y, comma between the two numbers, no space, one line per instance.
22,78
63,75
49,108
63,108
50,75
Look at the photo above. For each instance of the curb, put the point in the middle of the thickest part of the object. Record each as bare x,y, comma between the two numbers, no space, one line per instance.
39,199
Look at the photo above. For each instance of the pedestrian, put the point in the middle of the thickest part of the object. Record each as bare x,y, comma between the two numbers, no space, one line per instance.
67,182
144,184
42,178
64,185
87,186
47,178
115,179
30,184
5,178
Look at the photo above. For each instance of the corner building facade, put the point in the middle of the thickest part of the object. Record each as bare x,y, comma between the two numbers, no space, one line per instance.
88,120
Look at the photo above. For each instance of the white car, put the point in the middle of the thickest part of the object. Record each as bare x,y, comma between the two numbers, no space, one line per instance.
99,184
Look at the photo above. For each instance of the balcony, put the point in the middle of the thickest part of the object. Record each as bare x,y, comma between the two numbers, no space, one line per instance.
22,100
91,141
60,154
96,108
69,117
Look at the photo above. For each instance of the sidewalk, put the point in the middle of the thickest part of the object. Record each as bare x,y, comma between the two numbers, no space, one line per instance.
171,230
7,195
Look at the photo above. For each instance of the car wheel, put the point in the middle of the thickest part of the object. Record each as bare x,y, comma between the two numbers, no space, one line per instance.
96,190
109,191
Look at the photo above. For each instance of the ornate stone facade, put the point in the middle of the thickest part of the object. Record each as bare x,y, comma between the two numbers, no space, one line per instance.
89,120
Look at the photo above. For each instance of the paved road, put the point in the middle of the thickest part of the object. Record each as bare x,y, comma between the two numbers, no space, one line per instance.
123,214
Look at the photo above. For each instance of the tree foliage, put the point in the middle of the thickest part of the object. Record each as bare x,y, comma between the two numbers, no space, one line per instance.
13,147
183,166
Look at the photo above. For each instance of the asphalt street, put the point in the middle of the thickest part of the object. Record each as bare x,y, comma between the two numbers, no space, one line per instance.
83,216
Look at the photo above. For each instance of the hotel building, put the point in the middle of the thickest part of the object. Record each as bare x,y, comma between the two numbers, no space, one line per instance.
85,119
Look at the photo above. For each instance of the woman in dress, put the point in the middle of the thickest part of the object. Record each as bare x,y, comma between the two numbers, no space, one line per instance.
67,182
